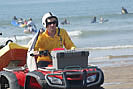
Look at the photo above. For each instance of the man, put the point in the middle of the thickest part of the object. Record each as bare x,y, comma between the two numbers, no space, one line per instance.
94,20
15,18
30,23
124,10
53,37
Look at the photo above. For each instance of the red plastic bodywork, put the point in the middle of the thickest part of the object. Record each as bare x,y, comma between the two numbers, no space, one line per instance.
21,75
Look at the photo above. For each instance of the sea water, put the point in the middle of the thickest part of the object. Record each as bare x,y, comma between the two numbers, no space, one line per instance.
113,37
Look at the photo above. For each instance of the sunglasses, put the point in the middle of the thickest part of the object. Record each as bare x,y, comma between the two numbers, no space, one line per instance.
49,23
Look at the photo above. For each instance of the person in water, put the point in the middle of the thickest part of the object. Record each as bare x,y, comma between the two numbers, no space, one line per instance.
101,20
25,22
94,20
20,21
53,37
30,28
31,23
15,18
65,22
124,10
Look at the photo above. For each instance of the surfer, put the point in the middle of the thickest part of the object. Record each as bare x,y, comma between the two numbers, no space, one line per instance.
15,18
65,22
29,29
124,10
94,20
20,21
25,21
14,21
102,20
31,23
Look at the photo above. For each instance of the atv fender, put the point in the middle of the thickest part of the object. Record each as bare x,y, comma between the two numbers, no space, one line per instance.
38,76
8,79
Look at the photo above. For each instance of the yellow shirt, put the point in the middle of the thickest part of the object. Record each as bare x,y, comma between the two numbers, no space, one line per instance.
45,42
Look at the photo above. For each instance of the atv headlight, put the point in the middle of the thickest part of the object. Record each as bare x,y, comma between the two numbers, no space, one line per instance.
55,80
91,78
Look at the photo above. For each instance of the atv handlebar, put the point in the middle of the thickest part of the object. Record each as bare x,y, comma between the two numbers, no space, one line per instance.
40,53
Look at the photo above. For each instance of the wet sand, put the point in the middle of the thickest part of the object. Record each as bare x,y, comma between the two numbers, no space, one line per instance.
118,77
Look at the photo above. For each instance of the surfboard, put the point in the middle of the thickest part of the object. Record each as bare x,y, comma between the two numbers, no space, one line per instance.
13,22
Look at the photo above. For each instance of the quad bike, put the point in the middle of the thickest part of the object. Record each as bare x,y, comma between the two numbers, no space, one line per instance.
70,70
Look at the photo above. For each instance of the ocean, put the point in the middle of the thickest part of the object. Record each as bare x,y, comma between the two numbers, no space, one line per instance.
109,43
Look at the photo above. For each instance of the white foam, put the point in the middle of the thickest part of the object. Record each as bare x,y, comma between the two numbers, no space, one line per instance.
75,33
108,47
15,38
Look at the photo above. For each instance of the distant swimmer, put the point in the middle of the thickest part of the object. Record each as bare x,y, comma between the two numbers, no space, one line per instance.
31,23
124,10
20,21
102,20
94,20
29,29
65,22
15,18
25,22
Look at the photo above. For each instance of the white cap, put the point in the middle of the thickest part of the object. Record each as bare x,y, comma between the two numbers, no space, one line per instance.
45,16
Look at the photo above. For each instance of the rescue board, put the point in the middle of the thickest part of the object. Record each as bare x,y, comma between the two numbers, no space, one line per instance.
14,23
13,52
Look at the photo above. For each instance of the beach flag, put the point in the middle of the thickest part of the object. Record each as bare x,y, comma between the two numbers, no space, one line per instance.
31,62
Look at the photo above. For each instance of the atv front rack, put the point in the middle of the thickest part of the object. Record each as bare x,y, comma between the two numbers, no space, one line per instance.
64,82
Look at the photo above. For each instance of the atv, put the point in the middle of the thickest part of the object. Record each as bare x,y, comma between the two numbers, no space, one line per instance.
70,70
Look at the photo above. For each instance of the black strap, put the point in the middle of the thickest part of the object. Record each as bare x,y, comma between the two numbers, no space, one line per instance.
60,36
58,31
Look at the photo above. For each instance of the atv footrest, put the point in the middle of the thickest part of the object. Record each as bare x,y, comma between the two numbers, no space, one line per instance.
14,68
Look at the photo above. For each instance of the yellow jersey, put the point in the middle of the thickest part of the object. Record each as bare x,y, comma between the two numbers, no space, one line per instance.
45,42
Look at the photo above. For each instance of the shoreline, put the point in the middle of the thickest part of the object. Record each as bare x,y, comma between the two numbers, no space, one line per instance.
118,77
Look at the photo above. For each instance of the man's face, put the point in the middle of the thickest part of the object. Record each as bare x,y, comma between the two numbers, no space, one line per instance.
51,24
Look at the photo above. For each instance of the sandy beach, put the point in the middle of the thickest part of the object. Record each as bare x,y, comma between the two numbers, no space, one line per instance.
118,77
